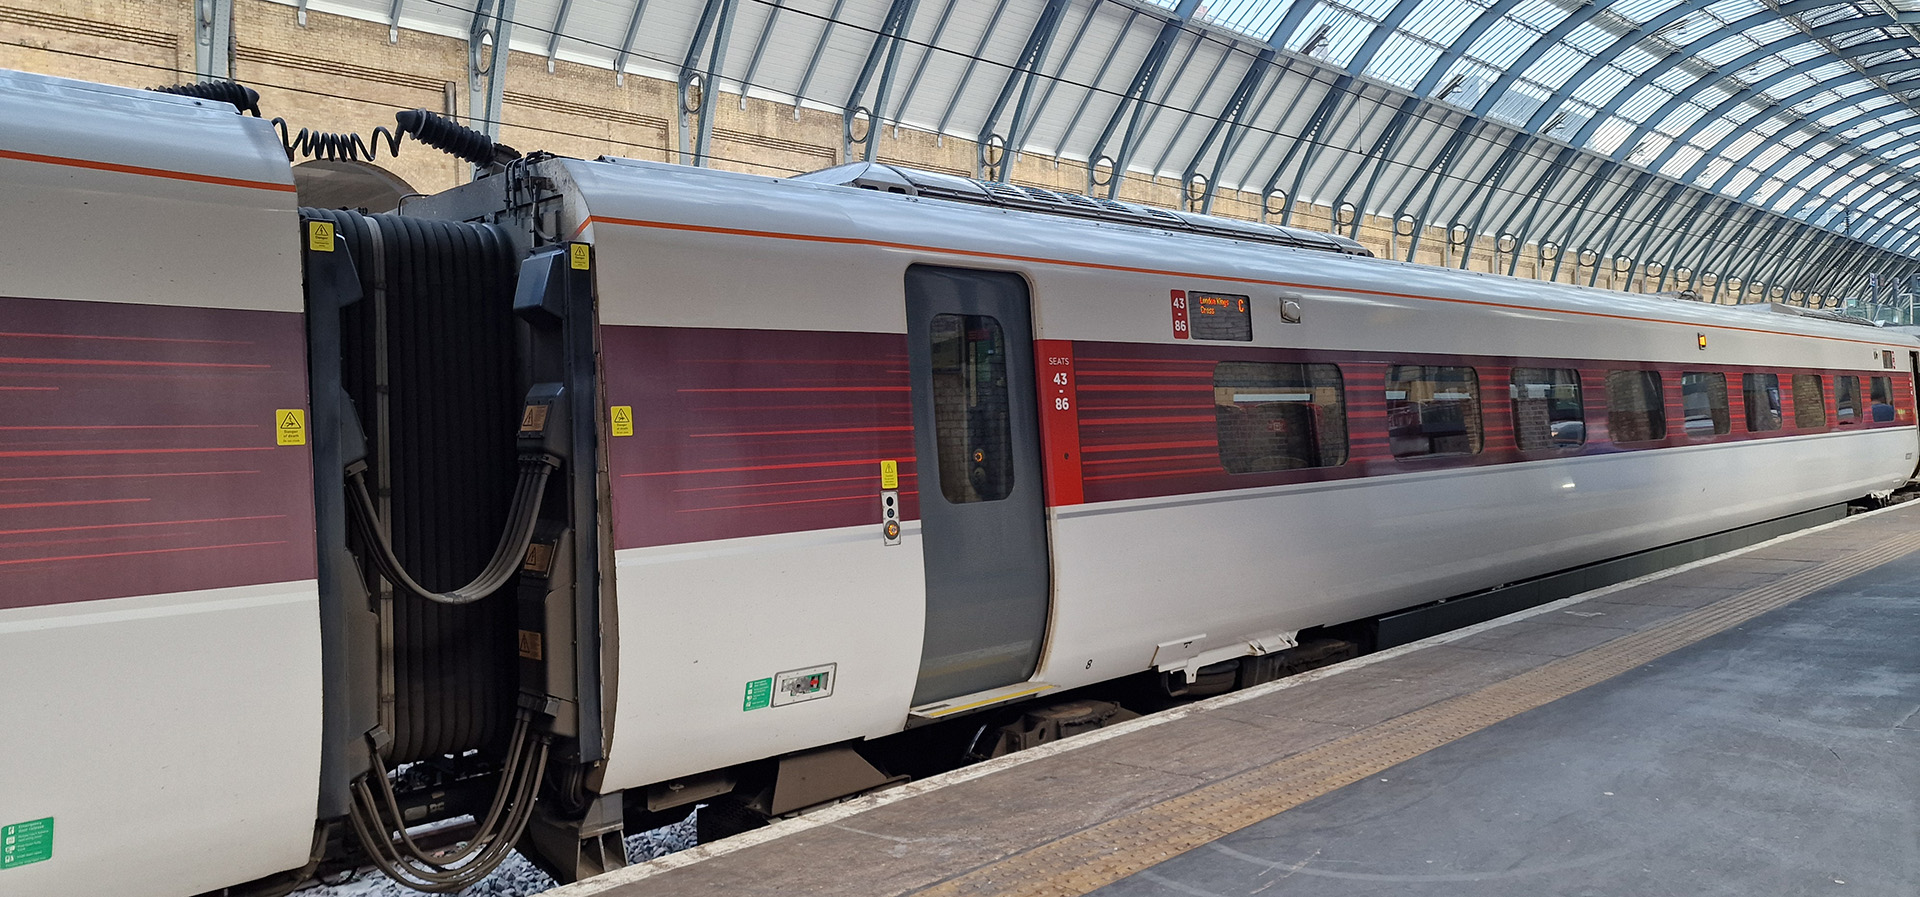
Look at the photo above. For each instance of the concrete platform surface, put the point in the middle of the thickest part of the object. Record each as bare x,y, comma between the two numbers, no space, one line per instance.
1745,725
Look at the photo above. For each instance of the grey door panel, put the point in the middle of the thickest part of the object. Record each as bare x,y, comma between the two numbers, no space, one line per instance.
977,450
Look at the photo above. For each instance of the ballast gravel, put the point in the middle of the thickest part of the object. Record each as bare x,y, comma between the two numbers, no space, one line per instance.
516,877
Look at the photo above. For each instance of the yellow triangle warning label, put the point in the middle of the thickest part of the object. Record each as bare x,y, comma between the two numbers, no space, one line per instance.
623,420
290,426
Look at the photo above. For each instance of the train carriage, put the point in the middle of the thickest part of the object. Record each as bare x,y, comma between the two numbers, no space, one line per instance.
595,489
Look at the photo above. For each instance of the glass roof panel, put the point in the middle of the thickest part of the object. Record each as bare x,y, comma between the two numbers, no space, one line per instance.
1250,17
1403,60
1732,112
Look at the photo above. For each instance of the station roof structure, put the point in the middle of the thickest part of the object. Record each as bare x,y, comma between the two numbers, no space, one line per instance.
1771,145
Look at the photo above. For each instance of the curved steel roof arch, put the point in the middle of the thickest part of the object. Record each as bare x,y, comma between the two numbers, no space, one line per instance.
1680,98
1810,121
1490,126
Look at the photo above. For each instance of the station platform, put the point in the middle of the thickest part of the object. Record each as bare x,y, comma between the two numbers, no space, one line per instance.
1747,724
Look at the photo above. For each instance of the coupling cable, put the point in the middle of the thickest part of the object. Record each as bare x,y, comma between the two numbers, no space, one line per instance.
515,537
381,824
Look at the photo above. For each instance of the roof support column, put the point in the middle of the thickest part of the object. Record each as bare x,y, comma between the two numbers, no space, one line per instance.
626,43
1430,180
487,64
1747,261
886,48
1488,188
1717,249
1826,266
1309,144
213,39
1678,239
1799,242
1232,121
1618,216
1643,233
1133,104
1023,76
1550,176
699,85
973,62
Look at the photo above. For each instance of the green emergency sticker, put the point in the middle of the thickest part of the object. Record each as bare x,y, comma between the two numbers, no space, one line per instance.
26,842
759,694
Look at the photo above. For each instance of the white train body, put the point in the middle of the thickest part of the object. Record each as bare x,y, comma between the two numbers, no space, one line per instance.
158,607
766,394
1222,571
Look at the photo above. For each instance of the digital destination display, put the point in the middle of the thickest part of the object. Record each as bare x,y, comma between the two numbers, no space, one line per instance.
1220,316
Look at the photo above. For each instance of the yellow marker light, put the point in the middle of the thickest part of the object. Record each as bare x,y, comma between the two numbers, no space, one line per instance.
1703,340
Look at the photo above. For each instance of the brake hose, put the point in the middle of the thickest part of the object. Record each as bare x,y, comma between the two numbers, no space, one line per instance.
507,554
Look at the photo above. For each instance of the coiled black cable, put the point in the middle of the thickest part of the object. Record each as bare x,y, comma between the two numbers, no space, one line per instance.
436,131
330,146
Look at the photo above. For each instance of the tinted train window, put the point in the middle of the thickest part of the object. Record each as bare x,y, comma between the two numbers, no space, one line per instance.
1279,416
1704,398
1809,402
1846,399
971,420
1547,411
1883,398
1636,411
1432,410
1763,401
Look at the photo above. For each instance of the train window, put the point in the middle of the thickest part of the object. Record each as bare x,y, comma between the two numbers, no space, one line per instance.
1882,398
1846,399
971,416
1432,410
1279,416
1636,407
1704,397
1547,410
1763,401
1809,402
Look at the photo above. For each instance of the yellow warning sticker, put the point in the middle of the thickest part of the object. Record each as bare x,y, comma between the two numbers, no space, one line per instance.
577,254
623,420
889,474
290,426
320,236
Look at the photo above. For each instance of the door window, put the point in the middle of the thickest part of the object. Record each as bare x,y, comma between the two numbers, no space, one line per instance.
971,417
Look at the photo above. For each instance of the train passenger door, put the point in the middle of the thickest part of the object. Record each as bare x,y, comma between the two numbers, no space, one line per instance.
977,449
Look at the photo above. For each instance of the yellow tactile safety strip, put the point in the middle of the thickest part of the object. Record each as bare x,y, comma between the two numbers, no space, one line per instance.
1110,851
